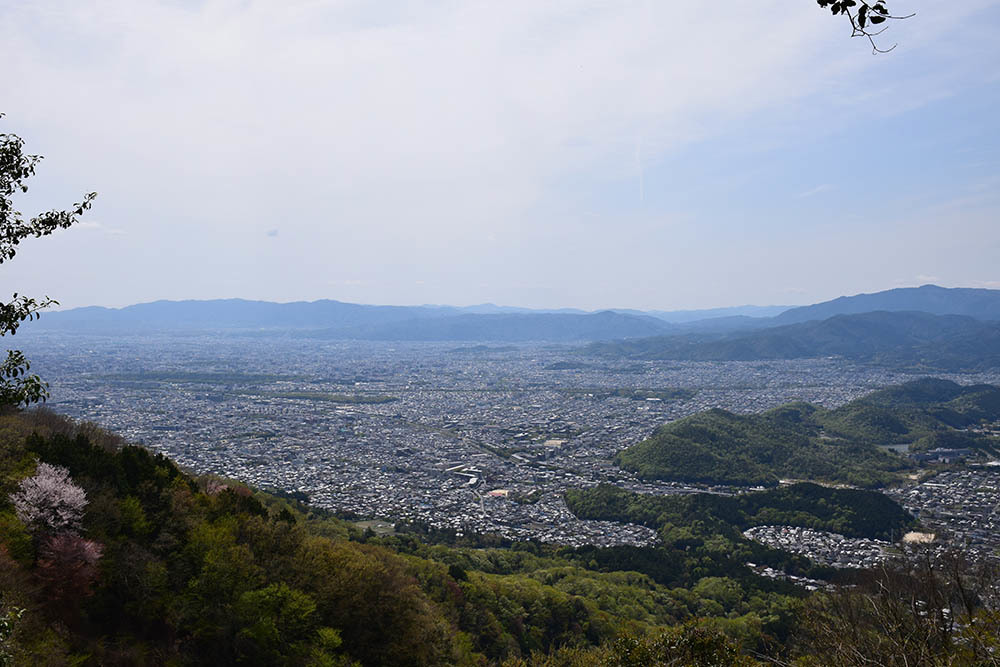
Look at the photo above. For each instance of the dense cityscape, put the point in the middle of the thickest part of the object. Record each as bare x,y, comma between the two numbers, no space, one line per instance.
462,437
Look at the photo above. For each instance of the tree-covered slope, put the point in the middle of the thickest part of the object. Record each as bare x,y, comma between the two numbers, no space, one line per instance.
899,339
158,567
155,566
802,441
982,304
850,512
918,409
718,447
149,565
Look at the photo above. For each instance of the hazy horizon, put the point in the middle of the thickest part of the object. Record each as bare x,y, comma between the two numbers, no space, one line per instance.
60,307
744,306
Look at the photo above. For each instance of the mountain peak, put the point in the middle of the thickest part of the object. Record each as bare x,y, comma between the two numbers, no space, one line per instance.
981,304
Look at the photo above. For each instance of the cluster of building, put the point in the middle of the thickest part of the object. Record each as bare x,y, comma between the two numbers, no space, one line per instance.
465,437
942,455
822,547
774,573
960,506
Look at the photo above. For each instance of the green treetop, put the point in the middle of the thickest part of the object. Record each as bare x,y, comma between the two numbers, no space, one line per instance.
17,385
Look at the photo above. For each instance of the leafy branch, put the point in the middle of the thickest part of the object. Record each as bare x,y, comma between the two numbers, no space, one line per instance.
864,19
17,387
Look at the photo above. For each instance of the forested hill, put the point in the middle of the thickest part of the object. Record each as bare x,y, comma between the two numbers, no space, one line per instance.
982,304
898,339
110,555
849,512
803,441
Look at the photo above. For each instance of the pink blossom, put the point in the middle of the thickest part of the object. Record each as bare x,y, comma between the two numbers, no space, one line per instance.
49,500
67,565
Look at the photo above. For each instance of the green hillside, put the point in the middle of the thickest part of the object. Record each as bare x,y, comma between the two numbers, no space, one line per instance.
850,512
802,441
982,304
165,568
896,339
160,567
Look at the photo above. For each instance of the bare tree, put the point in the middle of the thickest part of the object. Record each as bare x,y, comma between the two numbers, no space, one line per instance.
930,609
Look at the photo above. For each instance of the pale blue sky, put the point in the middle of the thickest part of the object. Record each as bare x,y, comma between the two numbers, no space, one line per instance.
544,154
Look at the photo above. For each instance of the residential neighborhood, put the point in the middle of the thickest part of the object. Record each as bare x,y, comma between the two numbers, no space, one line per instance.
462,437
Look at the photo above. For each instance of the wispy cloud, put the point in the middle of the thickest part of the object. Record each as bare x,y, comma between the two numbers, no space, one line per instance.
826,187
94,226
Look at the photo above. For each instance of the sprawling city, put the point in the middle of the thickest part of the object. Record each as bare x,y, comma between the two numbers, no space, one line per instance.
468,437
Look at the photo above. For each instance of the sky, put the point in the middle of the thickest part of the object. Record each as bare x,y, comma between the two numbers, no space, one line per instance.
648,154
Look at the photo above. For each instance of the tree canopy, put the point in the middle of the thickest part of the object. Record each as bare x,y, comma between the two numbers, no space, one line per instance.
17,385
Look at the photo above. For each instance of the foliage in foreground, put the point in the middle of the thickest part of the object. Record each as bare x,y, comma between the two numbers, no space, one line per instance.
18,386
930,610
148,565
159,567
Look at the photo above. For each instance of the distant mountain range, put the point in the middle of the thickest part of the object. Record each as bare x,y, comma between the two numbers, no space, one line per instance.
931,326
698,316
338,320
508,327
982,304
901,339
235,314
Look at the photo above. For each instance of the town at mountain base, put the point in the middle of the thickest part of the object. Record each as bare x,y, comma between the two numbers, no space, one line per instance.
155,566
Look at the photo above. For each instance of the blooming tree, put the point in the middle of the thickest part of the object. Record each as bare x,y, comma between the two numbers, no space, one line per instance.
49,501
67,565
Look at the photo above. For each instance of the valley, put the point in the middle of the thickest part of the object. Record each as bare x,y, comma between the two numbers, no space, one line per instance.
460,438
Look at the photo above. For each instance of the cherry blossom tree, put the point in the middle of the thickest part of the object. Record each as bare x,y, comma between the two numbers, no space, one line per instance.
67,566
49,501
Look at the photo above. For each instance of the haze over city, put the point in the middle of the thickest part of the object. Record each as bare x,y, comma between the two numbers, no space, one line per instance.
590,155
